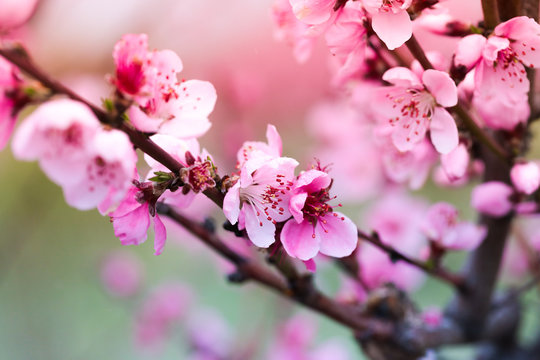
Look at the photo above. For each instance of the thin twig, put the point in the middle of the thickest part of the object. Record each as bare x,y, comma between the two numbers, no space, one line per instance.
491,13
344,314
438,272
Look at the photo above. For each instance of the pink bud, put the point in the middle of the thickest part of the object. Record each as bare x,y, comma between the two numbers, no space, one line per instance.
492,198
455,163
525,177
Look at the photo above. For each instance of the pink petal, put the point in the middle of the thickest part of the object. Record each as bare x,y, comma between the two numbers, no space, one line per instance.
392,28
338,235
197,98
296,204
492,198
469,50
231,203
160,235
310,265
444,132
492,47
312,12
526,35
274,140
402,77
131,228
186,127
261,232
313,180
408,132
143,122
525,177
299,241
466,236
441,86
456,162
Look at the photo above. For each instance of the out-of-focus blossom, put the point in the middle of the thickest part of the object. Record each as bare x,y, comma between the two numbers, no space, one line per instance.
492,198
346,38
439,21
209,336
121,274
164,307
443,227
294,340
501,83
15,13
390,21
93,165
456,162
525,177
432,316
315,226
291,30
312,12
411,106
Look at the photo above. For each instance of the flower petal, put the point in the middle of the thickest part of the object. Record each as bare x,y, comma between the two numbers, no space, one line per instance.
441,86
392,28
261,232
338,235
231,203
160,235
444,132
299,241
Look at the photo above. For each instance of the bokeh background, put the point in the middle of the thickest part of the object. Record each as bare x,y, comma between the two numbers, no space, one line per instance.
52,302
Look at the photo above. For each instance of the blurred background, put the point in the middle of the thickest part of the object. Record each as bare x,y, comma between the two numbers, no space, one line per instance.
53,303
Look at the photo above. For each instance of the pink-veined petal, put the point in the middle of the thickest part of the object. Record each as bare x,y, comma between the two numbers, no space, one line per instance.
444,132
392,28
338,235
298,240
131,228
441,86
274,140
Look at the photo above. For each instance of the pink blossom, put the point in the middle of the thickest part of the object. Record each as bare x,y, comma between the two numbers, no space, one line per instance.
59,134
121,274
257,149
163,307
312,12
166,105
456,162
15,13
259,199
432,316
346,39
315,226
209,335
443,227
376,269
131,219
525,177
412,106
9,81
291,30
409,167
492,198
500,77
110,165
390,20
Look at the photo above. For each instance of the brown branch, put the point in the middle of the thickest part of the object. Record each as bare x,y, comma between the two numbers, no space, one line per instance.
438,272
344,314
491,13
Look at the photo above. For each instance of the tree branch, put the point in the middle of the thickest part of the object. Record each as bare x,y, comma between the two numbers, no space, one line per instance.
491,13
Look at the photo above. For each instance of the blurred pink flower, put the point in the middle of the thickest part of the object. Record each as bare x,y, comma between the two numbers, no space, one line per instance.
9,80
390,20
15,13
442,226
525,177
492,198
121,274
